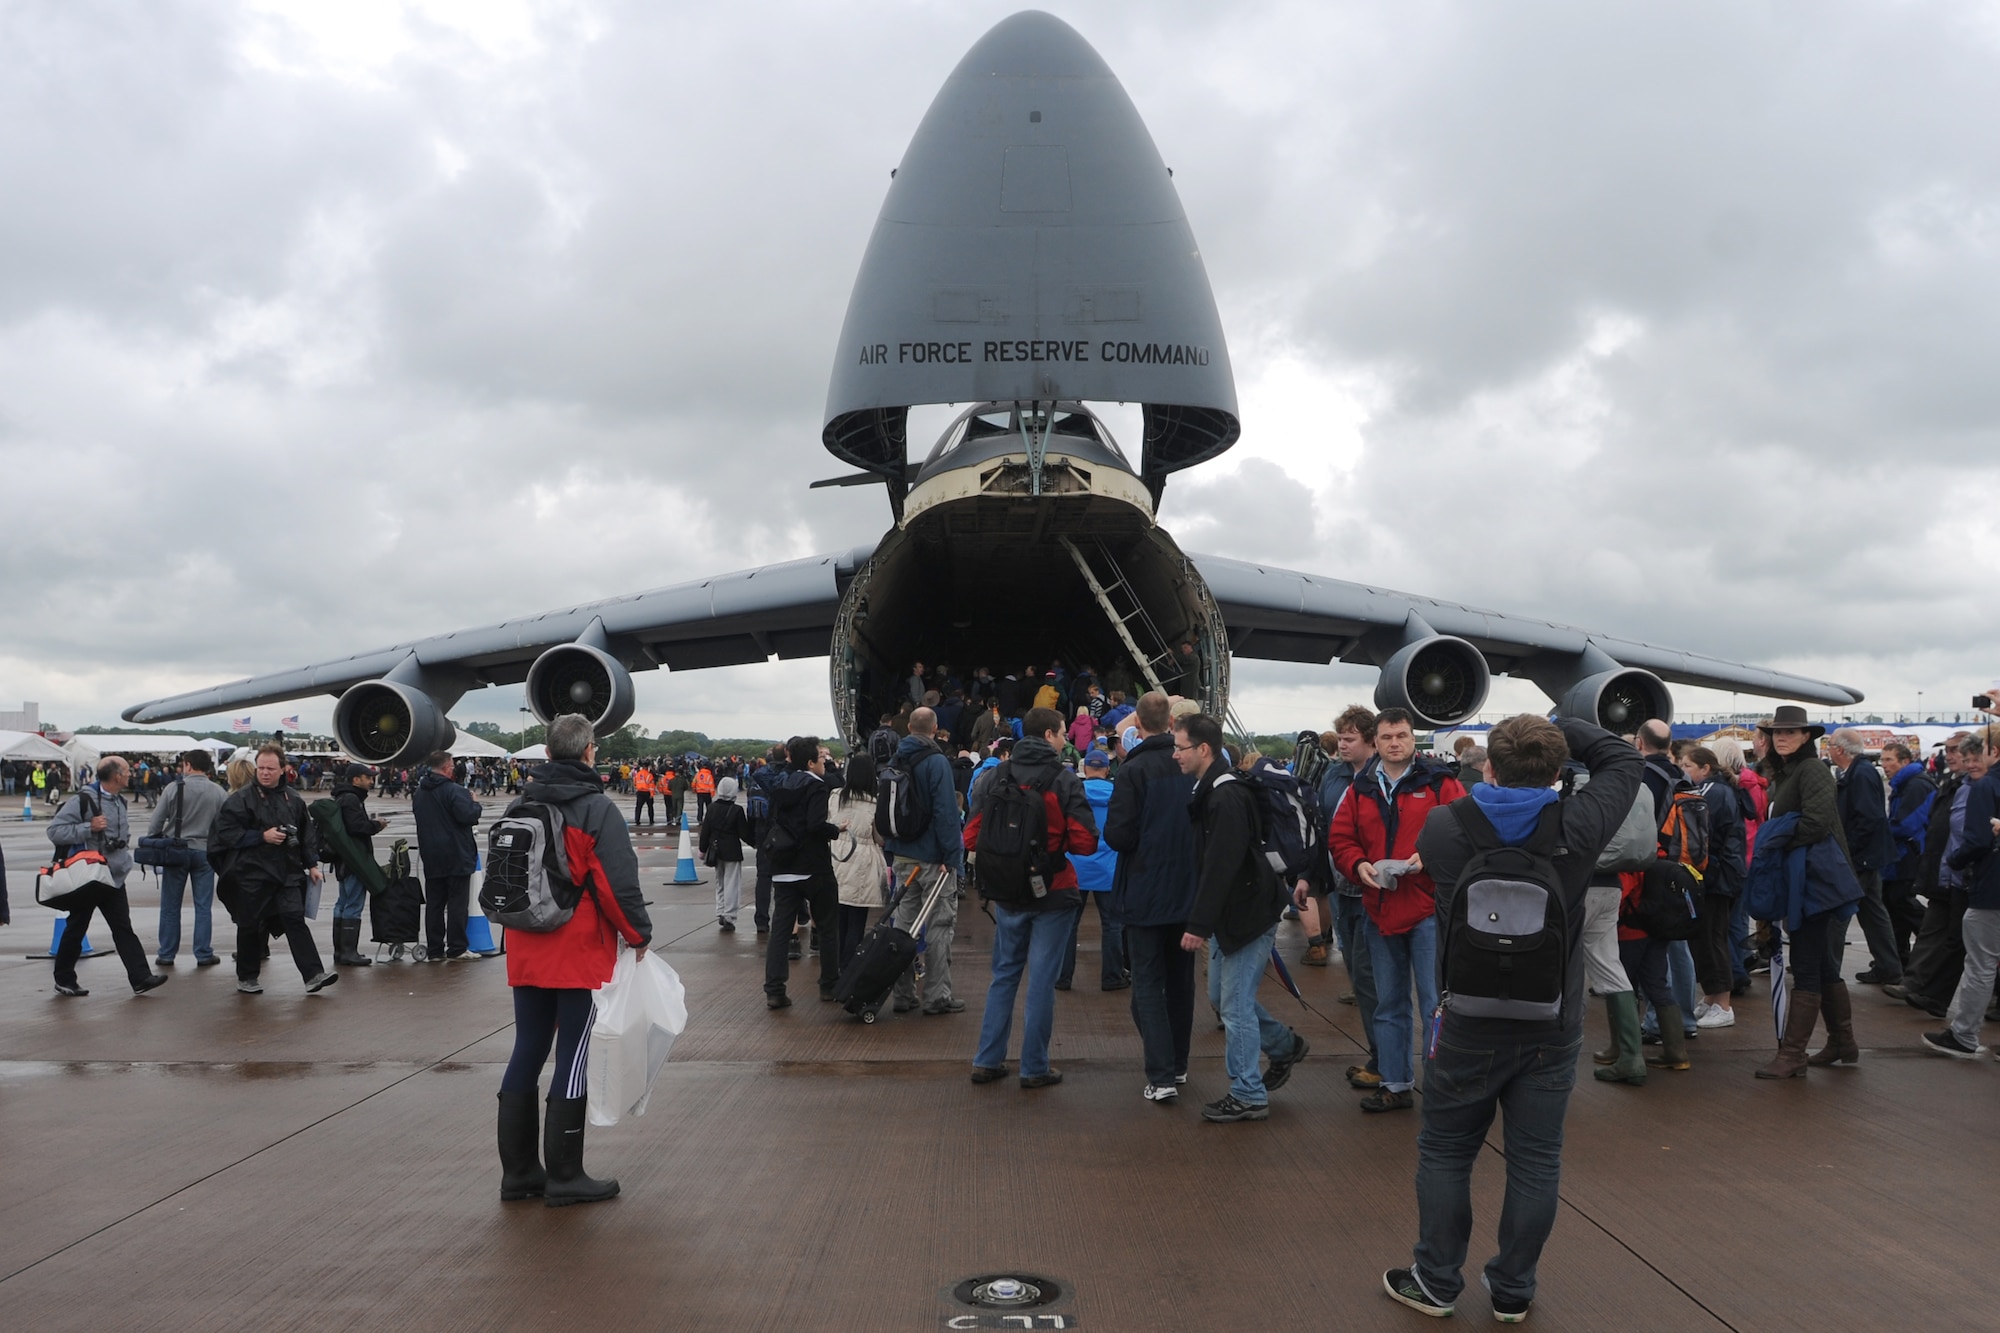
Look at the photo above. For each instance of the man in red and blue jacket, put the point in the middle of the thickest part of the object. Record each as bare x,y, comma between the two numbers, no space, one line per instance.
1379,820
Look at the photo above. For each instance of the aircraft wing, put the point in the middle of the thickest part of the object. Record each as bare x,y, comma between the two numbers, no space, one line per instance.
784,609
1286,616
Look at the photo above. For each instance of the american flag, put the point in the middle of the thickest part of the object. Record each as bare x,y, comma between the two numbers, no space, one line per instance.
289,723
240,724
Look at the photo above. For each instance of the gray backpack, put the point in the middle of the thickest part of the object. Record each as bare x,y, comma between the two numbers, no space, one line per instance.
528,884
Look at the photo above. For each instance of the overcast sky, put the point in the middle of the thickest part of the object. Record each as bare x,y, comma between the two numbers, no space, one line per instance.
325,325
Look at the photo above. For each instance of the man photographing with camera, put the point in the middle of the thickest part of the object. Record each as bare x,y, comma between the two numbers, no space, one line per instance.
95,818
267,853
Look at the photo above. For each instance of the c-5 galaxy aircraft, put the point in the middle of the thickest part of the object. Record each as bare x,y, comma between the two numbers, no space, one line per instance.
1031,258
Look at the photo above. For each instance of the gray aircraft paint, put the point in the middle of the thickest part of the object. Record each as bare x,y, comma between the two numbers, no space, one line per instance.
972,225
1032,247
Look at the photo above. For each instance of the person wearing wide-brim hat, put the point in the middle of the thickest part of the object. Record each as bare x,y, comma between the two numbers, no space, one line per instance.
1803,785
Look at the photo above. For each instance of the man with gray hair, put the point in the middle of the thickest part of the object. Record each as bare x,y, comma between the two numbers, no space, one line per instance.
95,819
1863,803
932,847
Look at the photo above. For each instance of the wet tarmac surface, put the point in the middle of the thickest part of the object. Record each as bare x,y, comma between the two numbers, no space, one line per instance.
200,1159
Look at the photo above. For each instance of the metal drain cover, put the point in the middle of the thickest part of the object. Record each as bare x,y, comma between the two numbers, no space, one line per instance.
1008,1291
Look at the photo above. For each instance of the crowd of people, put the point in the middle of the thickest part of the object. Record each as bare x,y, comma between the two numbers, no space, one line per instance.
1662,875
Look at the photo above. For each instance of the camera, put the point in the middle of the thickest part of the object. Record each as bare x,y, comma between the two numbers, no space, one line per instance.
1983,702
116,844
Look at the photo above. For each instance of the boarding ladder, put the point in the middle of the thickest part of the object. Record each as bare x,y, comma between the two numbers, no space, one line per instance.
1130,625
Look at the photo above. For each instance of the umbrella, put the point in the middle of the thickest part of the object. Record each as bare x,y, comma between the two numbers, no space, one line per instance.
1285,975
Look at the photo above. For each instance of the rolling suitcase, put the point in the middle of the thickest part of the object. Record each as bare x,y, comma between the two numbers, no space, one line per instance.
885,954
397,911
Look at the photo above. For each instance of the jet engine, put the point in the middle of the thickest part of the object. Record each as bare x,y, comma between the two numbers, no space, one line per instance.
385,722
1618,700
1441,680
580,678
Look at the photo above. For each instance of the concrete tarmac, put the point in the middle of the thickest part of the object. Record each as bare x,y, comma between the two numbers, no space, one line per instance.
200,1159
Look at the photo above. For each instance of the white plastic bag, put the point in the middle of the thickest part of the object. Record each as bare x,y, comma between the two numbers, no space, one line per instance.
639,1012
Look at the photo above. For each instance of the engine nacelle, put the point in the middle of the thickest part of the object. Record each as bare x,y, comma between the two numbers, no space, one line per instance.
1618,700
1441,680
577,678
383,722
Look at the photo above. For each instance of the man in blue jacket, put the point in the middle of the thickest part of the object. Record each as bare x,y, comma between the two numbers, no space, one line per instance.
1911,795
445,814
934,849
1152,893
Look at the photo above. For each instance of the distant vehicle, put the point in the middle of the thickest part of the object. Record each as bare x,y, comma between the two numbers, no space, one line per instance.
1031,258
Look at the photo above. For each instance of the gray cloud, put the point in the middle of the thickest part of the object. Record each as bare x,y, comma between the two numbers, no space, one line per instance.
1674,322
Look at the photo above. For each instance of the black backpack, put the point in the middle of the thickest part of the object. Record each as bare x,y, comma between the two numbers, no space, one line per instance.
1665,907
1506,942
882,744
1014,865
901,810
1287,820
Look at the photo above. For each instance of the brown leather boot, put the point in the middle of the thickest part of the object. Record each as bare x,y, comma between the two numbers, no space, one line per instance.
1840,1048
1800,1020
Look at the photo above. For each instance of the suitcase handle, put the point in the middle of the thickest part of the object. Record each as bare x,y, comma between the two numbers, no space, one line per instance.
923,917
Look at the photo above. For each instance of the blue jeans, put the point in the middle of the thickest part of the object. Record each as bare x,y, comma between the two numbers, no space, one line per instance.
1348,916
347,907
1232,985
1467,1080
1739,940
1111,960
172,880
1030,941
1680,987
1400,961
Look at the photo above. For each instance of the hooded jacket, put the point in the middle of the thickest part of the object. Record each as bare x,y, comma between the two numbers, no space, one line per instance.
1334,781
1072,828
1147,825
724,828
580,953
354,818
1369,826
1911,795
939,843
445,814
798,807
1237,894
1590,818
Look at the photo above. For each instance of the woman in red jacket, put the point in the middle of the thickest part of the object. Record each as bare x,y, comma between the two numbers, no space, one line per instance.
556,973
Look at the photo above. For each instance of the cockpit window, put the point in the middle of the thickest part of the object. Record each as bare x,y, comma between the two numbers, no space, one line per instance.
987,420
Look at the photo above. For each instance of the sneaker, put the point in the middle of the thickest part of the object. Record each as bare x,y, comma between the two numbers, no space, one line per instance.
902,1006
826,995
1363,1079
1315,955
249,986
1155,1093
1506,1309
1122,983
1279,1071
725,925
1402,1285
1180,1078
321,982
153,982
1717,1017
951,1006
988,1074
1228,1110
793,953
163,962
1947,1043
71,989
1345,997
1384,1100
206,962
1045,1080
1760,967
778,1001
1896,991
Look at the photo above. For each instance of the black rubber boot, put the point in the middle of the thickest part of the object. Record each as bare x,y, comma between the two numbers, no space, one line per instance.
347,943
521,1174
562,1150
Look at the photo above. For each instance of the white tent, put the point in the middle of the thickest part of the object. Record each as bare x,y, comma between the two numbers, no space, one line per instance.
28,745
88,749
217,747
468,746
533,752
